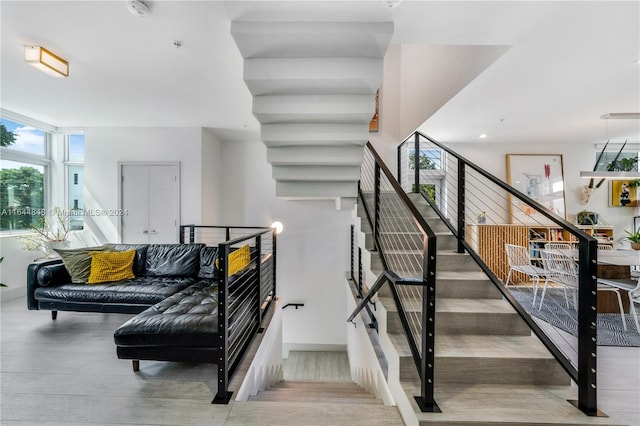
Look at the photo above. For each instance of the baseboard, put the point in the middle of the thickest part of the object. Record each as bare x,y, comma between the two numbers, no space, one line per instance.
311,347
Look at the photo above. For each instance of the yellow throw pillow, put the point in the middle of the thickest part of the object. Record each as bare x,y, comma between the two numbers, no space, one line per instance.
111,266
239,259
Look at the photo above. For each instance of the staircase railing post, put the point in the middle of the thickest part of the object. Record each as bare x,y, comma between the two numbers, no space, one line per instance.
399,158
427,402
353,252
461,204
376,201
587,327
359,272
416,162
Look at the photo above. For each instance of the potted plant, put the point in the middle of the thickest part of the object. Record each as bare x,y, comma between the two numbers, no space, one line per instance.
52,233
634,239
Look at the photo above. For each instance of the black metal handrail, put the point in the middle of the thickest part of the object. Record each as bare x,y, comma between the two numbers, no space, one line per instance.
584,374
422,346
243,297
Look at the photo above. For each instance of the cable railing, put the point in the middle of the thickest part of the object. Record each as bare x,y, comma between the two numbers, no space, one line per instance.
246,263
407,249
487,216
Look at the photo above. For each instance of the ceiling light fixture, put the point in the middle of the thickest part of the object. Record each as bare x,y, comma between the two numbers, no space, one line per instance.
483,136
46,61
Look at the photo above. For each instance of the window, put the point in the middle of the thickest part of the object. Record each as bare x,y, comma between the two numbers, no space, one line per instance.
431,173
24,172
75,175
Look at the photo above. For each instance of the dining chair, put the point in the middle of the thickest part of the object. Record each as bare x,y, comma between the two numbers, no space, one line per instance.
519,260
559,269
604,247
632,286
562,269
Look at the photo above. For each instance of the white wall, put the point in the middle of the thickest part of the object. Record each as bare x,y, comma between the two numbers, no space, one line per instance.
106,146
212,180
313,249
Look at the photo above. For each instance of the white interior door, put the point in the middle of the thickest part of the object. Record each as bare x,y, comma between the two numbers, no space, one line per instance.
150,196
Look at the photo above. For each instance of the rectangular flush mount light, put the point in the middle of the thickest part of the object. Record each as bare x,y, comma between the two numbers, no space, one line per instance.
46,61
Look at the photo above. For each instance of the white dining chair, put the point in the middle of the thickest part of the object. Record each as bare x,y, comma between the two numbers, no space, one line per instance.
632,286
562,269
557,246
559,269
519,260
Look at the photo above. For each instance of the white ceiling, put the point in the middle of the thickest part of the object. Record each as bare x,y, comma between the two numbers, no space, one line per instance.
569,63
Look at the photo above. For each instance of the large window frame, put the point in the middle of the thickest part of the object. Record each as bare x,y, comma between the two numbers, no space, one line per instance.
44,160
77,220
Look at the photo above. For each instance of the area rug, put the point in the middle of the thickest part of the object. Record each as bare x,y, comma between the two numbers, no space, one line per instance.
554,312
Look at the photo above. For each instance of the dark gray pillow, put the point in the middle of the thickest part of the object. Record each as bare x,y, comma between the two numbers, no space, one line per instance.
208,268
173,260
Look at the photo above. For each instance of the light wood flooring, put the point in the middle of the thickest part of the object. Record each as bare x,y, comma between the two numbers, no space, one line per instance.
65,372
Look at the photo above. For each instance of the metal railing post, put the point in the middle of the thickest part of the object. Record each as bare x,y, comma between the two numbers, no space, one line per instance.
223,396
587,327
416,163
461,204
259,276
353,251
192,234
359,272
376,201
399,161
426,400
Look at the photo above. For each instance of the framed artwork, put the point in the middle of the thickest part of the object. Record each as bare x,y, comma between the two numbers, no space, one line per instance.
541,177
373,124
621,194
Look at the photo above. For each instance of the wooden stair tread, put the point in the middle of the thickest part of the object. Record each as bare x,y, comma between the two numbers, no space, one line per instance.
483,306
481,346
508,404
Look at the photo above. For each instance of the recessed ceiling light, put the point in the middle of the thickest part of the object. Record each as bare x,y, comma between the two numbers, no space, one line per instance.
637,61
483,136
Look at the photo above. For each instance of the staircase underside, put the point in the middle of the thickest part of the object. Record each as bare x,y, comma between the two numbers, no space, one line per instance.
313,87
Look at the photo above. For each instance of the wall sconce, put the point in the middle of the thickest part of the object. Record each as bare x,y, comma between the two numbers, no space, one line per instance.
46,61
277,226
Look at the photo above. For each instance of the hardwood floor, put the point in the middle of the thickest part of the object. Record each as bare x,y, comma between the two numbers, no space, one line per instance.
65,372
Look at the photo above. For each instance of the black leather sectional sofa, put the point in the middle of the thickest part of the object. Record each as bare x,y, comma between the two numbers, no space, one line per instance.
187,309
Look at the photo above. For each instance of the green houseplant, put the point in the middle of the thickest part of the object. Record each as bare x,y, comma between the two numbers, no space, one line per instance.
634,239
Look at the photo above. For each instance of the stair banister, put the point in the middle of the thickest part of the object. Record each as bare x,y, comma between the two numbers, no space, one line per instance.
585,373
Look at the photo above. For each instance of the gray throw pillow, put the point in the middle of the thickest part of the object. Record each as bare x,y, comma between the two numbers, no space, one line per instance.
78,262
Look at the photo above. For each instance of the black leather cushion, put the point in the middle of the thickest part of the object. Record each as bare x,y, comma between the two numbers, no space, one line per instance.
141,255
208,268
186,319
173,260
144,290
53,273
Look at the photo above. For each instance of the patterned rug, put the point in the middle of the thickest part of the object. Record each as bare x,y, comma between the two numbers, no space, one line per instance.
555,312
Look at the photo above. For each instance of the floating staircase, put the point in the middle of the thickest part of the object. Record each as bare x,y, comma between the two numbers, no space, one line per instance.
489,369
313,86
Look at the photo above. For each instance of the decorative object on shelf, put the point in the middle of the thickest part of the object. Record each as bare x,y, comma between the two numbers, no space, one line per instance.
586,217
625,168
540,176
482,217
633,238
52,233
373,124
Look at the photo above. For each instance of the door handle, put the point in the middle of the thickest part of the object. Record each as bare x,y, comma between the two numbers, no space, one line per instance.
153,232
145,232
